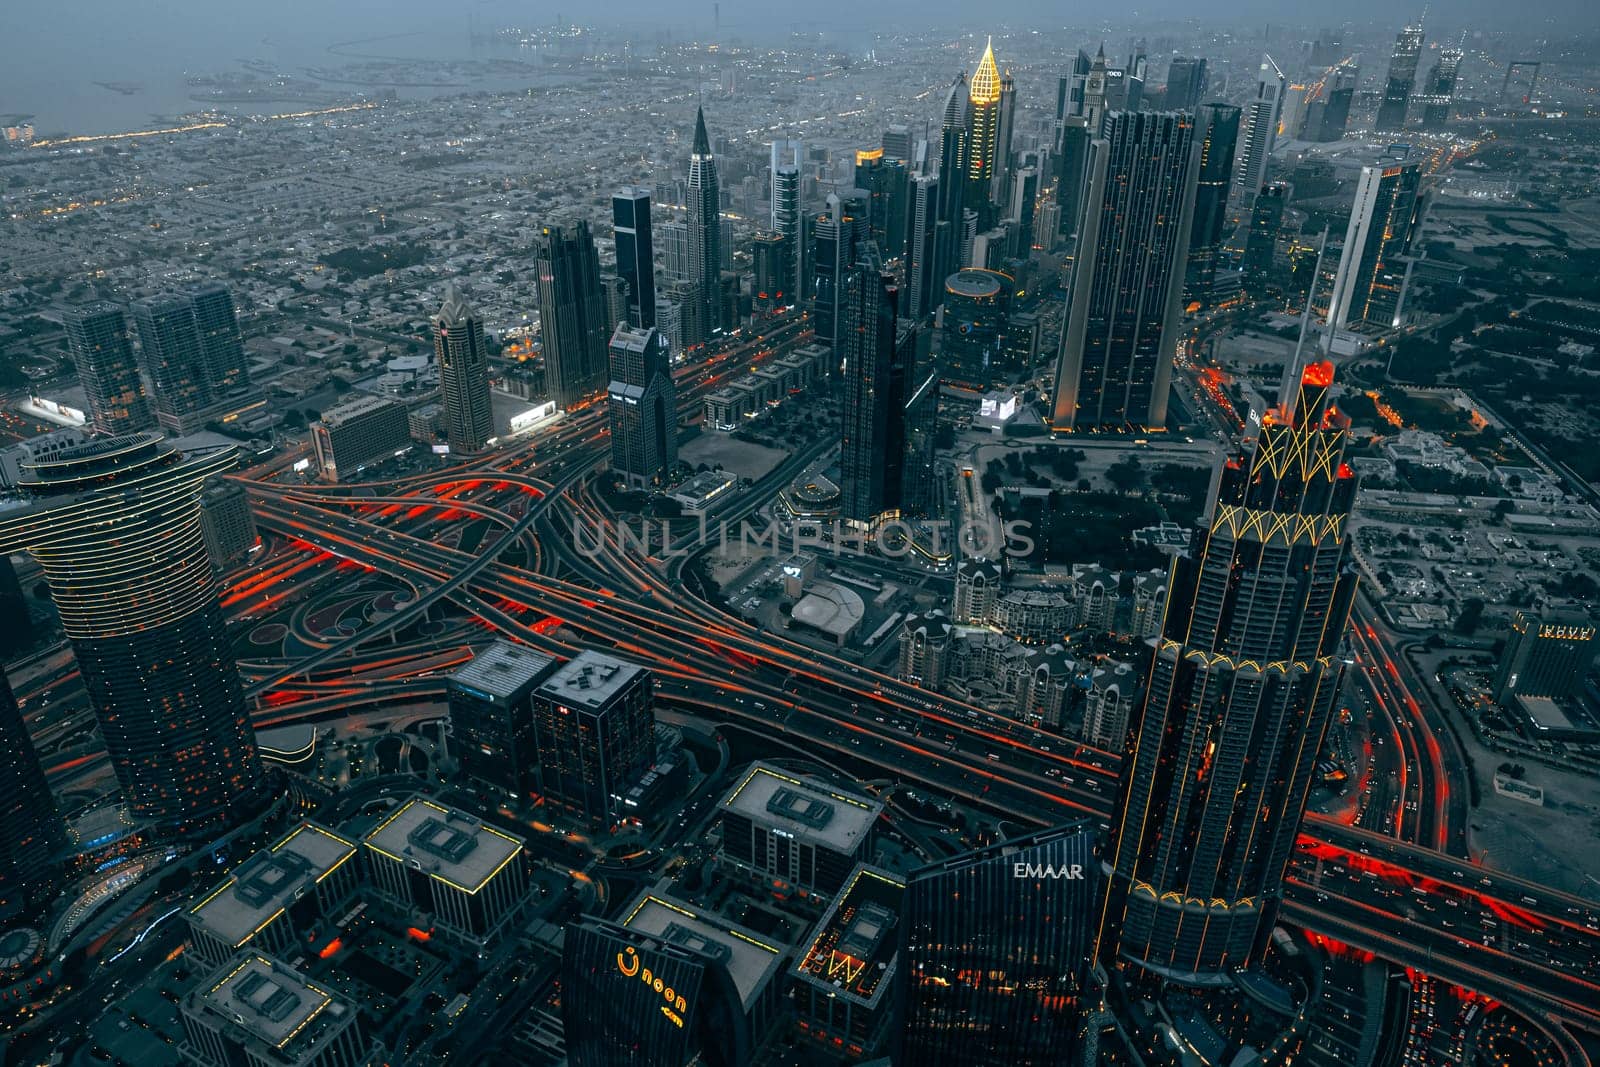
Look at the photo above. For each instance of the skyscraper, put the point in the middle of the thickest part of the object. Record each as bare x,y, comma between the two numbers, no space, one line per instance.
491,718
643,408
1261,241
922,244
983,137
770,263
1217,126
636,256
898,144
1000,187
97,336
1402,79
877,367
116,526
835,237
886,184
1374,267
953,134
463,374
594,731
1328,115
1186,83
169,341
996,946
1222,749
787,212
704,220
1441,86
972,328
31,834
1124,299
221,344
572,312
1258,132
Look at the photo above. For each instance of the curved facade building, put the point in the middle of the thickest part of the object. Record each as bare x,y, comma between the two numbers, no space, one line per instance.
973,326
1222,751
115,524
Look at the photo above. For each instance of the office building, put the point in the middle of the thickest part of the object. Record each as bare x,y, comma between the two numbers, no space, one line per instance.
1402,79
878,363
169,341
1329,114
954,133
97,337
1072,166
463,362
796,836
1125,295
260,1012
1261,240
227,523
996,947
704,222
614,294
279,899
357,433
221,344
1186,83
674,244
1375,265
1546,655
772,261
32,835
1000,186
973,326
594,732
887,186
1441,89
898,144
491,719
573,320
636,256
835,238
982,142
1247,672
668,984
922,247
642,407
788,212
844,982
1258,132
144,621
1217,126
465,877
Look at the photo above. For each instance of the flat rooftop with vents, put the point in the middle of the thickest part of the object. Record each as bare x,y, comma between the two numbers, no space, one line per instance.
267,882
450,845
853,948
590,680
807,810
269,1001
751,960
502,671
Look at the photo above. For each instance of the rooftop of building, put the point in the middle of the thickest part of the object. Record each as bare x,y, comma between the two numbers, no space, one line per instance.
263,885
452,846
852,949
502,671
355,407
810,811
268,1000
831,608
751,960
591,679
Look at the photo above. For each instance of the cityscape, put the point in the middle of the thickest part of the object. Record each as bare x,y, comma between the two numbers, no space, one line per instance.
743,538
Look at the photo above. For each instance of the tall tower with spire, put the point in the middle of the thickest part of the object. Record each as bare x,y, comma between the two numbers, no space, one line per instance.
953,140
983,134
705,226
1223,749
463,362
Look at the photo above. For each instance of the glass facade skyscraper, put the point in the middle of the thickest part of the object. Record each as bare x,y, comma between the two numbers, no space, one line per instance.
996,947
878,363
97,336
572,313
1217,126
463,374
116,526
704,219
1402,79
31,834
636,256
1223,748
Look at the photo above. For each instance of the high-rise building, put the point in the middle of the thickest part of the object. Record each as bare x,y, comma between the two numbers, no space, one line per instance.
1217,126
463,361
31,832
259,1010
886,185
1124,300
922,243
1261,240
1072,167
788,212
1186,83
169,343
953,136
1546,655
221,344
18,634
1000,188
704,220
835,237
898,144
491,719
844,979
983,137
877,358
643,408
996,947
116,526
973,326
614,292
572,313
1328,115
1223,748
796,835
770,262
362,430
636,256
594,732
1258,132
97,337
1441,89
1402,79
1375,265
226,523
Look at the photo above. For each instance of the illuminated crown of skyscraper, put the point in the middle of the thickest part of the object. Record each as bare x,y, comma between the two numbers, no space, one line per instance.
986,81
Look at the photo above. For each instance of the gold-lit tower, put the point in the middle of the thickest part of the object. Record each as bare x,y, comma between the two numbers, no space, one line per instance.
983,131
